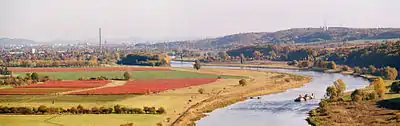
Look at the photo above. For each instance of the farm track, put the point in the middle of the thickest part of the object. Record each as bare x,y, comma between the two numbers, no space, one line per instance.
112,84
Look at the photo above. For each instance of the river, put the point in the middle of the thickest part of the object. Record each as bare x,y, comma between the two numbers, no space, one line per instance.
277,109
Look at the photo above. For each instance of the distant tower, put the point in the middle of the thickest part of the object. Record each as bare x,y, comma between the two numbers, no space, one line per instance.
100,41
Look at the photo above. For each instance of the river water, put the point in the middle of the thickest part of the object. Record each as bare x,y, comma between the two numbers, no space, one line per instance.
277,109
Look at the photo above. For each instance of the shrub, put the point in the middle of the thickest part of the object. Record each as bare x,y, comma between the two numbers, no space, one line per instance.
35,76
379,86
395,87
322,106
201,90
242,82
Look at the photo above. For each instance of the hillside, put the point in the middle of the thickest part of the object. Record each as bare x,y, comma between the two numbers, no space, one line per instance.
296,35
6,41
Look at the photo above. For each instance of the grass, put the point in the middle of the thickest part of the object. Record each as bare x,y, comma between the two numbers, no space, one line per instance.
135,74
78,120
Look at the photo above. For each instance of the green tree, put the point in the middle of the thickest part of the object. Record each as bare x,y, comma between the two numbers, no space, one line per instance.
395,87
357,95
379,86
197,65
127,75
35,76
331,92
340,86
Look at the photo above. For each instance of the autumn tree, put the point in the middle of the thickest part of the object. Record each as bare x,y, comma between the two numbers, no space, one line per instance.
379,86
371,69
196,65
257,54
331,65
127,75
390,73
357,70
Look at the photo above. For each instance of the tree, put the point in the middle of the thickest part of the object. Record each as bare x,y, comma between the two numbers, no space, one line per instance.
127,75
161,110
196,65
43,109
201,90
331,92
395,87
242,58
242,82
371,69
257,54
223,55
331,65
357,95
390,73
379,86
340,87
346,68
357,70
35,76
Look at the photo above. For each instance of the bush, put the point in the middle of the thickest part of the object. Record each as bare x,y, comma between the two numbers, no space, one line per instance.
395,87
242,82
322,106
201,90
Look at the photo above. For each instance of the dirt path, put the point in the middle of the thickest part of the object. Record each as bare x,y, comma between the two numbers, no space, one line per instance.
112,84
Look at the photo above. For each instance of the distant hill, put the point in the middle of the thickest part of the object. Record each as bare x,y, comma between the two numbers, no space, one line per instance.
6,41
295,35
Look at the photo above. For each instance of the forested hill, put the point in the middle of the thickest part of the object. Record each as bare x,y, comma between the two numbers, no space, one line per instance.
297,35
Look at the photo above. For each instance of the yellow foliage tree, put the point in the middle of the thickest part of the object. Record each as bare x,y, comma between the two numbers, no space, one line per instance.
379,86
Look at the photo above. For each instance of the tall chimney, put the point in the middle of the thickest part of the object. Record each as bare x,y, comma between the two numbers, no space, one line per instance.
100,48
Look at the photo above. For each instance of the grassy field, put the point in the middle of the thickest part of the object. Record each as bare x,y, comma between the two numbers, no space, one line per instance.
79,120
135,74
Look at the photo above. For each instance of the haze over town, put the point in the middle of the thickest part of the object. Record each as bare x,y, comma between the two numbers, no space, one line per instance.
142,20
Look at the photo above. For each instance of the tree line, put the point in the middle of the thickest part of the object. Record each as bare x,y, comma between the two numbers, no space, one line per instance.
117,109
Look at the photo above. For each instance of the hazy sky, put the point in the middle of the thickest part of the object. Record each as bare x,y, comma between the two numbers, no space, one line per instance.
46,20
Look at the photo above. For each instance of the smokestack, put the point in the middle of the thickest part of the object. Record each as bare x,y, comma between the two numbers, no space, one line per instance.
101,51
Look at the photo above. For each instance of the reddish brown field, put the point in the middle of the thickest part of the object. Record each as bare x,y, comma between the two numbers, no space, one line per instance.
19,69
145,86
69,84
21,91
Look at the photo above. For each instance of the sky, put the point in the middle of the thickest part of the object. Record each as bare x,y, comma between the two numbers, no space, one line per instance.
167,20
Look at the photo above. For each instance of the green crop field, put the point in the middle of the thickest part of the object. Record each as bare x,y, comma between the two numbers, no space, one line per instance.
135,74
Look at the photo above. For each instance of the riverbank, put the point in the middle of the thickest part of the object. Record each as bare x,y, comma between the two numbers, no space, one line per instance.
372,112
260,83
